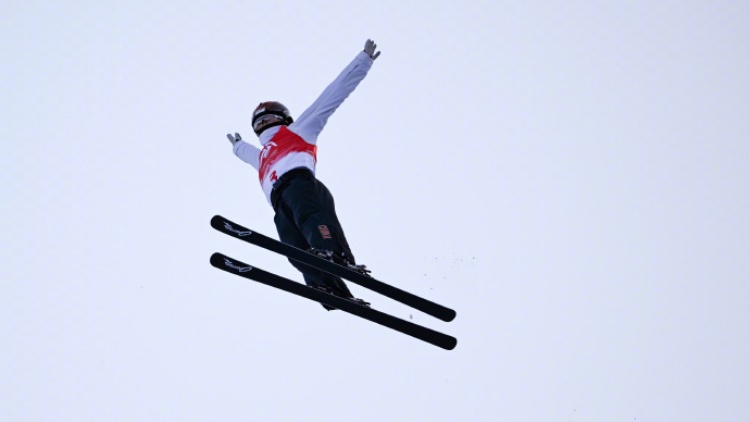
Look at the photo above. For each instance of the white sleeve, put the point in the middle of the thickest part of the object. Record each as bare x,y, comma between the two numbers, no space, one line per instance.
311,122
247,153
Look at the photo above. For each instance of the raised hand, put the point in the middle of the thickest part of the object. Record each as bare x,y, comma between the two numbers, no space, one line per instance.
234,139
370,48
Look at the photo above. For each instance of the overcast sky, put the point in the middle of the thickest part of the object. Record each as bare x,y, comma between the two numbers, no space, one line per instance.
571,176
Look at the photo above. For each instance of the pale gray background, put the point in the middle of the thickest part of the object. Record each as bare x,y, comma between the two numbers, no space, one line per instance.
570,176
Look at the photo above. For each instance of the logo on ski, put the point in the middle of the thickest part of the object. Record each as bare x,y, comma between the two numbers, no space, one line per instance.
239,232
229,264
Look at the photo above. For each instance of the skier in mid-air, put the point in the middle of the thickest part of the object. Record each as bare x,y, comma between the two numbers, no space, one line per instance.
305,216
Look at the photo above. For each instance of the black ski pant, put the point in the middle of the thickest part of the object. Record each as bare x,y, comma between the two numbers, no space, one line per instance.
306,218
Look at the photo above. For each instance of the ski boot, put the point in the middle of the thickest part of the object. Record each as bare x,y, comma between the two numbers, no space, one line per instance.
337,293
340,259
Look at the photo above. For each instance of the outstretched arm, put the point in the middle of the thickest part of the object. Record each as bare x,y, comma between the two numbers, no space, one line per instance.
312,121
246,152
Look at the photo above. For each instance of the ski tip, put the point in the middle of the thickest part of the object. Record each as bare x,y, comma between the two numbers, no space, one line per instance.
217,260
217,221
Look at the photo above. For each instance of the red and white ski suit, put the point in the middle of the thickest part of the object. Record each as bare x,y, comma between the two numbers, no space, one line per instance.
295,146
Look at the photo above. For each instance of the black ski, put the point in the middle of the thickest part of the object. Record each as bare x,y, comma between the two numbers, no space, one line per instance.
235,230
233,266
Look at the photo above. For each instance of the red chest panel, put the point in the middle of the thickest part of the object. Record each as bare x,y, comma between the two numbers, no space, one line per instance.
281,145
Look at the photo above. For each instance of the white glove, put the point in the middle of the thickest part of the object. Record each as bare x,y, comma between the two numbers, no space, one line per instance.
234,139
370,47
